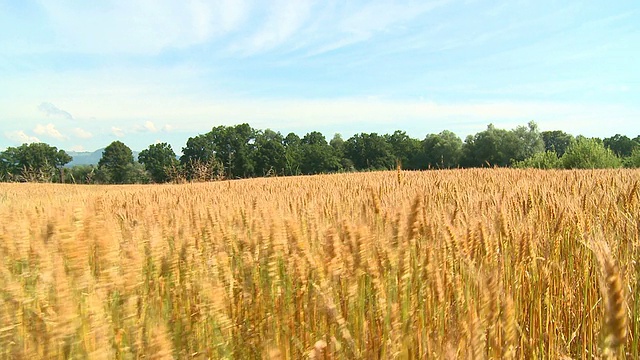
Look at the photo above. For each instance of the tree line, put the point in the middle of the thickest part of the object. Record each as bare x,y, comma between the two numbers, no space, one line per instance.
240,151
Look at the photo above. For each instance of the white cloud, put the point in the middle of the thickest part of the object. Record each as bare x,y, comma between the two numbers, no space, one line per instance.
52,110
116,131
82,134
78,148
49,130
167,128
21,137
150,126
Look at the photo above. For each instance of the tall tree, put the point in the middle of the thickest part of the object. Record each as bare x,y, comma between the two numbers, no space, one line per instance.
199,148
491,147
234,147
317,155
530,139
198,161
270,153
621,145
32,162
404,148
293,154
441,151
115,163
158,159
337,143
557,141
369,152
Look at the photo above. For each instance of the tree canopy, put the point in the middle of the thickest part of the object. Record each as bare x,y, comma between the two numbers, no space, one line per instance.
240,151
159,160
116,163
36,162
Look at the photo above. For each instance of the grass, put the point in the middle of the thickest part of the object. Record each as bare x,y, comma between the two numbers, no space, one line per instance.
492,263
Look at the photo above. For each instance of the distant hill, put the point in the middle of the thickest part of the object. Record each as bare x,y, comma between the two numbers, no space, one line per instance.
89,158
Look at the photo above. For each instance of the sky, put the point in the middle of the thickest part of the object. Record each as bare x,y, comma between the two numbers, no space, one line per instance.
79,75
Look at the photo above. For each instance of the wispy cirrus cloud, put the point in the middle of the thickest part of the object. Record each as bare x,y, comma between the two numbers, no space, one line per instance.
50,131
282,21
143,26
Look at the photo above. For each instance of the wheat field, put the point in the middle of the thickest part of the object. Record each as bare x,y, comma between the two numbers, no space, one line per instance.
470,264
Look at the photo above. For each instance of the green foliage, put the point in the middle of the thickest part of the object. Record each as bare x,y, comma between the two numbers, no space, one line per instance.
240,152
557,141
633,160
589,154
440,151
232,146
35,162
81,174
492,147
137,174
621,145
317,156
159,160
530,141
369,152
198,148
404,148
540,160
293,154
114,164
270,153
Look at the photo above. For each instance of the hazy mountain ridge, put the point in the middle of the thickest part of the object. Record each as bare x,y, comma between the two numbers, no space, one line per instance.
90,158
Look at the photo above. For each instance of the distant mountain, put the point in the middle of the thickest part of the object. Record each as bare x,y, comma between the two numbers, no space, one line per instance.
89,158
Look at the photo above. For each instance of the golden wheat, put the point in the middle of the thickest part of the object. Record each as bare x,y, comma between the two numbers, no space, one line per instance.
479,263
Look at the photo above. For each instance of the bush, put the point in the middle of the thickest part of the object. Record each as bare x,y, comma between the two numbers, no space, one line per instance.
540,160
589,154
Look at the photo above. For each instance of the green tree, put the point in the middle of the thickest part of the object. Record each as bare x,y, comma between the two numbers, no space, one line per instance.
633,160
441,151
621,145
234,147
198,148
198,160
317,155
337,143
557,141
404,148
589,154
530,140
114,163
158,160
492,147
35,162
270,153
369,152
293,154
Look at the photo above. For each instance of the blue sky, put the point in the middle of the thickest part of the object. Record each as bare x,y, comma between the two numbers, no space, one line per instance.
81,74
